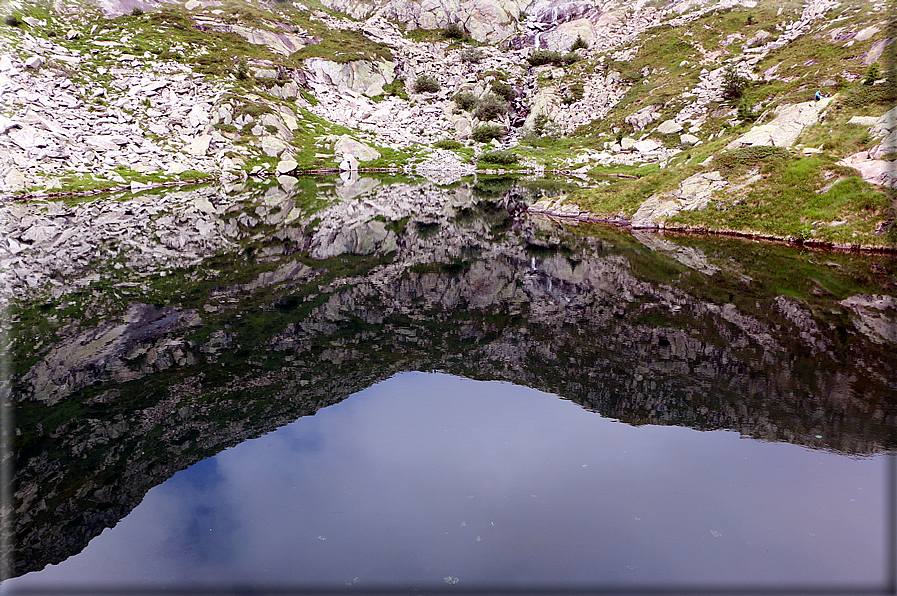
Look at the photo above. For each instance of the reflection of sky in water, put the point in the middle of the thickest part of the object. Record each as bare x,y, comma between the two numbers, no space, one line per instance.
426,476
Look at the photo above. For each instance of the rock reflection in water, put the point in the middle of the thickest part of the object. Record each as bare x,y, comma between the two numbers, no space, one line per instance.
281,303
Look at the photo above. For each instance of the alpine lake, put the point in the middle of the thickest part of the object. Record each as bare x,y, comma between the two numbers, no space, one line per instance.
388,385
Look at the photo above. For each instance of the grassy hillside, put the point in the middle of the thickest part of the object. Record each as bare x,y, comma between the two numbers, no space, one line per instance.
671,68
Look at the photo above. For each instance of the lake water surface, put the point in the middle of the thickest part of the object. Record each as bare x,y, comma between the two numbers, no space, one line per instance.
419,387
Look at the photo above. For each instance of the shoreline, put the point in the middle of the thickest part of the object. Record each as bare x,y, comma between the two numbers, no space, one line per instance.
588,218
625,224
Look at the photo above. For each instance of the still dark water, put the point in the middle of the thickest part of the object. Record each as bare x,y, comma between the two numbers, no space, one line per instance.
425,477
409,387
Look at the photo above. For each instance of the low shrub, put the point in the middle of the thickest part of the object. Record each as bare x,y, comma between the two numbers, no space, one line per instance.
426,84
503,158
450,144
486,132
454,31
631,75
12,20
542,129
241,71
734,85
136,11
579,44
746,111
472,55
503,90
873,73
543,57
490,107
540,123
397,88
574,93
860,95
466,100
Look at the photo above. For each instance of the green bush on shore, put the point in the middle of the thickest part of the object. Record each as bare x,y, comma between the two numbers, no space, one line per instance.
490,107
486,132
502,158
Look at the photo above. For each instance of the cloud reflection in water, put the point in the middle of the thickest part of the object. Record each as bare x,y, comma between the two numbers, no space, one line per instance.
427,476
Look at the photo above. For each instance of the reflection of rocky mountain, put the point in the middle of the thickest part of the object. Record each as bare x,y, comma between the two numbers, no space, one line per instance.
320,304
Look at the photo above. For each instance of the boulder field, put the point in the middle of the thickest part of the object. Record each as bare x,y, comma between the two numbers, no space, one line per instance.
122,95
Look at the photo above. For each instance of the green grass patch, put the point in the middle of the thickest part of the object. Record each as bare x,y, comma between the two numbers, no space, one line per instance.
344,45
789,203
504,158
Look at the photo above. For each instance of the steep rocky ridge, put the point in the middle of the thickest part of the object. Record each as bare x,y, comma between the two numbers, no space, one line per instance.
115,395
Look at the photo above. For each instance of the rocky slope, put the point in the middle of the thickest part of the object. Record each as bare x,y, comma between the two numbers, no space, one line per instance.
279,293
129,94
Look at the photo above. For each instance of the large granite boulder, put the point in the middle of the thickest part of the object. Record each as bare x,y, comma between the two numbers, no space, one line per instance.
361,76
562,37
346,145
786,127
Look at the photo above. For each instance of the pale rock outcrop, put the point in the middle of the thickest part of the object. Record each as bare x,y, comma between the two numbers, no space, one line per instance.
485,20
280,42
561,38
351,185
885,123
558,11
695,192
643,117
876,50
363,238
879,164
65,368
876,171
784,129
361,76
691,257
346,145
669,127
600,94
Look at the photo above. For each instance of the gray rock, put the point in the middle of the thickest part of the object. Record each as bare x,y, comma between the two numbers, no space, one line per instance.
200,145
286,165
646,146
642,118
273,146
348,162
695,192
875,316
346,145
863,120
785,128
669,127
287,182
34,62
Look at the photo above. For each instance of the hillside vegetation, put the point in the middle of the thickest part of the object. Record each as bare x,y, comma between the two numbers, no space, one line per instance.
771,118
